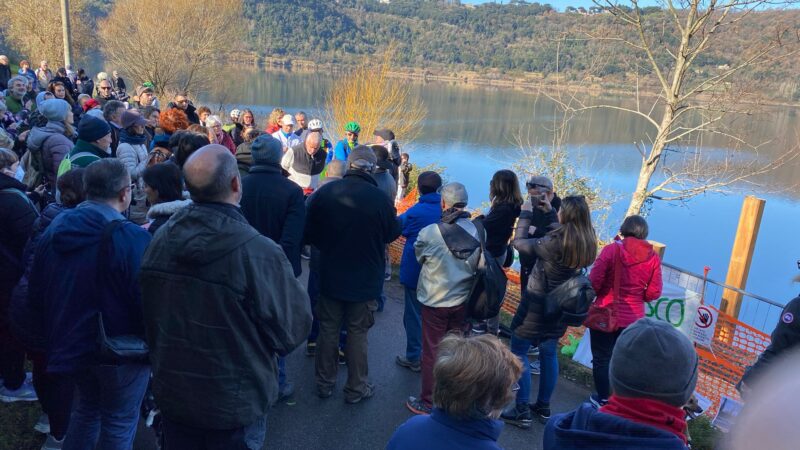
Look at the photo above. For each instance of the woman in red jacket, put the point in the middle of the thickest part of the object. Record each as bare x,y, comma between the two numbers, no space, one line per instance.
625,276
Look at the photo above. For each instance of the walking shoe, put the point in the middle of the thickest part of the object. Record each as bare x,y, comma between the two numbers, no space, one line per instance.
387,277
305,252
416,406
25,393
598,402
533,351
518,414
413,366
43,424
370,391
342,358
311,348
52,443
324,391
286,392
540,412
536,367
479,328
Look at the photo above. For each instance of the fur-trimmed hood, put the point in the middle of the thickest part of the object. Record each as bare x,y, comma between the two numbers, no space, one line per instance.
167,209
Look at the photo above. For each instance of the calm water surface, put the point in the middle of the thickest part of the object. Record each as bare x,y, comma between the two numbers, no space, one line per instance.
471,132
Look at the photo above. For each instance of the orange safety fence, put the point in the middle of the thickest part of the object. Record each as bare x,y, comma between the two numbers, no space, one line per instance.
736,345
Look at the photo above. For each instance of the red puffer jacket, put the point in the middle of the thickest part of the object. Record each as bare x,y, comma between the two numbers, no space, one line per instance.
640,280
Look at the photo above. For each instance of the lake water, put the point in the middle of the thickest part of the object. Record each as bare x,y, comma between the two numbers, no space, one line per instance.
471,132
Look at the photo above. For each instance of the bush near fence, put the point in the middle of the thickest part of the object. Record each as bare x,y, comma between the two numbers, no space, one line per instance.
736,345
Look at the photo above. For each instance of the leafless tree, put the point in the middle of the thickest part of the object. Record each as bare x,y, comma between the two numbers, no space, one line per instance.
691,103
176,47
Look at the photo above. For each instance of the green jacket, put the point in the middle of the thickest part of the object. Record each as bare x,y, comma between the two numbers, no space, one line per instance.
220,302
85,153
15,106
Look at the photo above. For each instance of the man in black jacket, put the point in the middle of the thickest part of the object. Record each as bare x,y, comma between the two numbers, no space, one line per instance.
350,221
220,302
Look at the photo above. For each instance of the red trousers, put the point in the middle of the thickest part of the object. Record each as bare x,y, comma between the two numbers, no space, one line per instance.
436,323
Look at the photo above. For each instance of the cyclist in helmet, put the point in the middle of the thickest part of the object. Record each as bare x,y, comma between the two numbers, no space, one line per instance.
316,125
346,145
235,129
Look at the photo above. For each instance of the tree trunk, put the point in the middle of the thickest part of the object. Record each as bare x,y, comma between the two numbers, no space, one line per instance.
650,163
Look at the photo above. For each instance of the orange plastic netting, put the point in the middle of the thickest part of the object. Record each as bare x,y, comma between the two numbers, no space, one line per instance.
735,346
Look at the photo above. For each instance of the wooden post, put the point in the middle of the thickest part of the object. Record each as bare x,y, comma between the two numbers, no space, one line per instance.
742,253
659,248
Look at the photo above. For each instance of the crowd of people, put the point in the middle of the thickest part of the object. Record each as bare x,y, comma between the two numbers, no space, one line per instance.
152,256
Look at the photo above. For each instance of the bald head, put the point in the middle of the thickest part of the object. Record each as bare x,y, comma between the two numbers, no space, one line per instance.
212,175
312,142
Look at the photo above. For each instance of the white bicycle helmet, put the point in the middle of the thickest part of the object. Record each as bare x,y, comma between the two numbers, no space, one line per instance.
315,124
236,113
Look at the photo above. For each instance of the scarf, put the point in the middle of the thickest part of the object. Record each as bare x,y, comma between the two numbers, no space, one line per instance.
133,139
648,412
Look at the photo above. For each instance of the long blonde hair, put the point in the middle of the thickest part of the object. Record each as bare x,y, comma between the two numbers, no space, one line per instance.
579,244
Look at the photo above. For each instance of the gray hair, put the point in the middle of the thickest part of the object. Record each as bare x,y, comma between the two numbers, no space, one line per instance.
212,120
110,109
21,78
7,158
336,169
104,179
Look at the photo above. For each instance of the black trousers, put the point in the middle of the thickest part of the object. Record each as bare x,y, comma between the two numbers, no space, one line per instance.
183,437
12,354
602,349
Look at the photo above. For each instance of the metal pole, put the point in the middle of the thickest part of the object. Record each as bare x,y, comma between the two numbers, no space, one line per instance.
65,28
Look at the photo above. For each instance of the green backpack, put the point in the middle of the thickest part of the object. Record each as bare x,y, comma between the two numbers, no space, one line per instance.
66,163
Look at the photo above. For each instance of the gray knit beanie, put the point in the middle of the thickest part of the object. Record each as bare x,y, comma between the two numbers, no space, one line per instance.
654,360
55,109
362,158
266,150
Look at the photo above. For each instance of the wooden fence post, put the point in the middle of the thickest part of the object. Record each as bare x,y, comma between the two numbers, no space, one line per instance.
742,253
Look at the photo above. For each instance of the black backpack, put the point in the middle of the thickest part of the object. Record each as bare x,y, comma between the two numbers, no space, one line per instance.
489,285
570,301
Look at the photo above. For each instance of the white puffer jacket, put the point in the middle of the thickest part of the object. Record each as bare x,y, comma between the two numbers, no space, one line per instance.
135,159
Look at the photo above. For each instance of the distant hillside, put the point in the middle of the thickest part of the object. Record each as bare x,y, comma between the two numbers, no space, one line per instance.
515,38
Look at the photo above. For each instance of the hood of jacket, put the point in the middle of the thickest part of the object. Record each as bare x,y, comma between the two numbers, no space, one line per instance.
82,227
11,182
588,425
167,208
205,232
635,251
39,134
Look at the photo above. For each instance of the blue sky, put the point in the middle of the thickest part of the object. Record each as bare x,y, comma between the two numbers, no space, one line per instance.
559,4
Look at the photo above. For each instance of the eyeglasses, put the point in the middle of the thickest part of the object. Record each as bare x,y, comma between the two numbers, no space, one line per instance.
537,186
105,88
348,133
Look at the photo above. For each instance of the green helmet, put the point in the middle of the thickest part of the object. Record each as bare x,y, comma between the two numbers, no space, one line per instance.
352,127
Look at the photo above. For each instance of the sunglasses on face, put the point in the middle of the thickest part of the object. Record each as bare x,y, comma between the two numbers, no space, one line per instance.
537,186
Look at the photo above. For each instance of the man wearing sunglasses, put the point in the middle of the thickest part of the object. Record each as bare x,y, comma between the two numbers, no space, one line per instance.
105,92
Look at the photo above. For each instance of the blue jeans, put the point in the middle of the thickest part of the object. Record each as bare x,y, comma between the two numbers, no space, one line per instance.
281,371
107,409
412,322
549,367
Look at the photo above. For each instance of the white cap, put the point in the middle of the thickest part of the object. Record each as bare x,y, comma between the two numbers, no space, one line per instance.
288,119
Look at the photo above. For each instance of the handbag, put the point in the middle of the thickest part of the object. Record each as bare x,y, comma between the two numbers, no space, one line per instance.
603,318
123,349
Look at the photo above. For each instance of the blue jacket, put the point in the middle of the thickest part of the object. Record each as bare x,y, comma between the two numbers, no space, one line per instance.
340,152
441,431
65,286
586,428
428,210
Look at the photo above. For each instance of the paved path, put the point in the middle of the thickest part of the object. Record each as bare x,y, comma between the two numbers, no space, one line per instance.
313,423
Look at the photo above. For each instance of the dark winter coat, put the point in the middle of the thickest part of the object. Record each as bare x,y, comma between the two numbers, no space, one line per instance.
67,286
275,207
5,75
439,431
17,214
53,144
220,302
785,338
427,211
588,428
499,224
350,221
530,322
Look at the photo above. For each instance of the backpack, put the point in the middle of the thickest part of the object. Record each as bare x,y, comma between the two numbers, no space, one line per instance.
489,284
570,301
35,165
66,163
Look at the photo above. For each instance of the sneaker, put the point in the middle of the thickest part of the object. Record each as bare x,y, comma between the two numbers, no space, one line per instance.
518,414
286,392
43,424
342,358
479,328
25,393
370,391
305,252
598,402
52,443
387,277
416,406
536,367
533,351
324,391
413,366
540,412
311,348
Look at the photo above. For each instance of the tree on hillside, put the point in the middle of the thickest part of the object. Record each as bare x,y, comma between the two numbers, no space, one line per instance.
693,102
33,29
369,95
176,46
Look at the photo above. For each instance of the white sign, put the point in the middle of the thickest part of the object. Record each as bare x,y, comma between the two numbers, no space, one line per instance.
677,306
704,325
